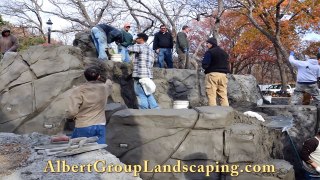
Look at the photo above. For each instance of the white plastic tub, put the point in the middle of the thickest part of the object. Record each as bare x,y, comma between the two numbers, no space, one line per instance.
268,98
180,104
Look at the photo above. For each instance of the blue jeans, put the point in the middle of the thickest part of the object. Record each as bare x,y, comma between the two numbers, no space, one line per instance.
165,55
100,42
124,54
144,101
90,131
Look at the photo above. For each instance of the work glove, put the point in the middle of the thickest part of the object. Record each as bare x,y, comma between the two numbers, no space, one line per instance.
291,53
318,169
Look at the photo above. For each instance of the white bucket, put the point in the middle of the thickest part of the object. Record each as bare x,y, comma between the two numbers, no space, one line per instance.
268,98
180,104
116,57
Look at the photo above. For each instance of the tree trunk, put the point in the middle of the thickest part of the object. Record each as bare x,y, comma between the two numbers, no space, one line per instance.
285,56
282,70
217,21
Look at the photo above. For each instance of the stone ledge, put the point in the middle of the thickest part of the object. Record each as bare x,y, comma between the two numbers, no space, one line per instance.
214,117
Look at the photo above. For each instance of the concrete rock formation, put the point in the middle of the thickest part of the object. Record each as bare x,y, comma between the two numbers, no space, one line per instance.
300,123
203,135
32,79
19,161
35,82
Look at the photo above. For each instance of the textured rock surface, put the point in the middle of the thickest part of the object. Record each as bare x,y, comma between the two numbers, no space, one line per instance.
303,126
205,135
32,79
19,161
34,82
243,88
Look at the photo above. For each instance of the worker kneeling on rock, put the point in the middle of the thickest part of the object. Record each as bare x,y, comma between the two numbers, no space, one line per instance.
87,106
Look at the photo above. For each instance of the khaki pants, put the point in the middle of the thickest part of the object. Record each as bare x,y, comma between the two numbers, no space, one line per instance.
216,84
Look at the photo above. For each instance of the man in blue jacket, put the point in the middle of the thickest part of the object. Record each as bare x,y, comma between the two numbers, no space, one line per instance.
102,35
308,73
163,44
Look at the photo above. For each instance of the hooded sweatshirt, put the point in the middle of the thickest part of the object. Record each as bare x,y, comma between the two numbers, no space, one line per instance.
9,43
308,71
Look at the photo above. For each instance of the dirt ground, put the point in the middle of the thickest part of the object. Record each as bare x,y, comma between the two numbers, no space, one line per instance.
13,155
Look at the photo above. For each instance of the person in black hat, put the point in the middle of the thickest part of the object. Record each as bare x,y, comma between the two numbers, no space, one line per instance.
8,43
216,66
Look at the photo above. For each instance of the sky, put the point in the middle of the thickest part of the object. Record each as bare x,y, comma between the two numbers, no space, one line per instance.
311,37
59,24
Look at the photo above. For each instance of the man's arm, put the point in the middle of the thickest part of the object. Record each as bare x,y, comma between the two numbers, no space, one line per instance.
155,42
181,38
15,45
206,60
171,40
134,48
109,89
75,101
295,62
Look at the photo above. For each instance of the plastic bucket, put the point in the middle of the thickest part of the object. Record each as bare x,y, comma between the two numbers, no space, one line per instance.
180,104
268,98
116,57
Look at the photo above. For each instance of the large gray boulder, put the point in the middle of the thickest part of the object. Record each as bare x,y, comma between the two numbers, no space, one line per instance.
243,88
32,79
203,135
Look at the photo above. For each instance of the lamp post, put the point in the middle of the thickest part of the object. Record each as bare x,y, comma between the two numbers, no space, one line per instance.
49,23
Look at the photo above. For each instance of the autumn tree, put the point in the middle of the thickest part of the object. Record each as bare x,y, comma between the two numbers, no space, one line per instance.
170,13
312,48
26,12
269,18
83,14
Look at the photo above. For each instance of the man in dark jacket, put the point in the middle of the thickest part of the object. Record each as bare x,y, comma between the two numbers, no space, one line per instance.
8,43
127,41
216,65
163,44
102,35
182,47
